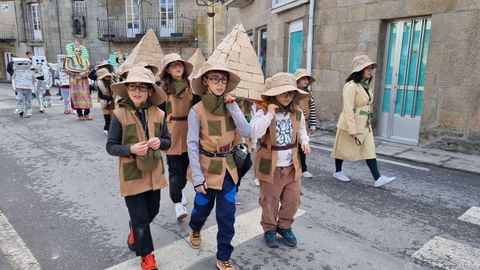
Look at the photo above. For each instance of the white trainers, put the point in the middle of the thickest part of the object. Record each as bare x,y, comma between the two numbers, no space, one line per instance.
383,180
341,176
257,182
307,174
180,211
184,199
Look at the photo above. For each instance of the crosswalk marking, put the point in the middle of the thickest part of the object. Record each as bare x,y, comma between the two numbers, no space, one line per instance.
381,160
448,254
472,215
180,255
12,246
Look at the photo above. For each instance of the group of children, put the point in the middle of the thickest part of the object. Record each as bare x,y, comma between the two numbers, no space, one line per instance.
197,123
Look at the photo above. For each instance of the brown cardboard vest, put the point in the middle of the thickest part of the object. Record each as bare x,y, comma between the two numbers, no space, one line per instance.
132,180
177,110
304,104
217,135
266,158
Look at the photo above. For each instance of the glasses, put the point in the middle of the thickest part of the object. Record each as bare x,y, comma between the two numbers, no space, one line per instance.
217,80
142,87
288,94
175,65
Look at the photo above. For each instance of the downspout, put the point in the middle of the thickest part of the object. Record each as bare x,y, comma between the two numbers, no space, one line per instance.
59,29
310,36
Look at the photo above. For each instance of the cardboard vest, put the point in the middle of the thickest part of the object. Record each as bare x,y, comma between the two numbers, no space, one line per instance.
266,157
304,104
217,135
177,110
132,180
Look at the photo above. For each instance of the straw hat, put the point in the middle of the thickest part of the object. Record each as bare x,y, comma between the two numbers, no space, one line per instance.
140,74
360,62
107,65
280,83
102,73
172,57
300,73
200,89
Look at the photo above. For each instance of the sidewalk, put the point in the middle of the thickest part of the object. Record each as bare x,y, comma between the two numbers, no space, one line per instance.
430,156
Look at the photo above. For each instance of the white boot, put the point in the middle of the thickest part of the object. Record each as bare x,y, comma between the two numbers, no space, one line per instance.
180,211
341,176
383,180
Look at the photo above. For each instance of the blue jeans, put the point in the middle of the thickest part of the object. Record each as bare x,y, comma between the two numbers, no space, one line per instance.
225,213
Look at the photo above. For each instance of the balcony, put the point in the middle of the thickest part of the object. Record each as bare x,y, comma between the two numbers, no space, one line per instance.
7,32
179,29
238,3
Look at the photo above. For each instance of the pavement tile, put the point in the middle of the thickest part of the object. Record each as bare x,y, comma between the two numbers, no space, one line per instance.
424,157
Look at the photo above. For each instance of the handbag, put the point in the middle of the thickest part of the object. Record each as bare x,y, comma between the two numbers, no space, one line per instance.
242,160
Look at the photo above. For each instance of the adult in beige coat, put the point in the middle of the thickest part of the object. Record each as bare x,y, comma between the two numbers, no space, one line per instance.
354,139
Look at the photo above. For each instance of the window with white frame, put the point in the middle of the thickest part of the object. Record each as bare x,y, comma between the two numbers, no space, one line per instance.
79,8
277,3
167,10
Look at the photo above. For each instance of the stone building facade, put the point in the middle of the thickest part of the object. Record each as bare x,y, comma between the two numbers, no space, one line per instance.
106,26
427,90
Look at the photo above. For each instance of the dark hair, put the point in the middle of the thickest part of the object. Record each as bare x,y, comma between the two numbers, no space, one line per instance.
28,52
357,77
168,80
116,59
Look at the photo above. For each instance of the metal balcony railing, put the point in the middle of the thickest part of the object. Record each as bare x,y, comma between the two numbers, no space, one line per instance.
180,27
7,32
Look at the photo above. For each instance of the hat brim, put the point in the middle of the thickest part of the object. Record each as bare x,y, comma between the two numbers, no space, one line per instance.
105,75
363,66
275,91
201,89
108,66
188,67
157,98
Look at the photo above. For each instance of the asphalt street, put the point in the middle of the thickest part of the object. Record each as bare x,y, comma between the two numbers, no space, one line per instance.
59,191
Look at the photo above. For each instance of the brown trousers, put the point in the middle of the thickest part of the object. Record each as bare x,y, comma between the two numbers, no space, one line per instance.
280,200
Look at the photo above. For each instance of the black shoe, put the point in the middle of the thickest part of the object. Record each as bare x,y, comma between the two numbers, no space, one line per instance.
41,111
21,114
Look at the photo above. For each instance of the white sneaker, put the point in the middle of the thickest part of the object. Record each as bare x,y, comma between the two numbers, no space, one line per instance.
383,180
341,176
105,131
307,174
180,211
257,182
184,199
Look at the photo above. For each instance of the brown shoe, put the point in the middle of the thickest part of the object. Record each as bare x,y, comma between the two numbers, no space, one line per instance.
81,118
224,265
195,239
88,117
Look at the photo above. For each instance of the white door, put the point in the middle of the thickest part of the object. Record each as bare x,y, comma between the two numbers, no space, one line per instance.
7,57
167,20
404,79
36,22
133,17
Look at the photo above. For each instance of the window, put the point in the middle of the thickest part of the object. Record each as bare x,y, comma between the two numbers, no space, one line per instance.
166,12
295,48
262,48
277,3
36,21
133,17
79,8
250,36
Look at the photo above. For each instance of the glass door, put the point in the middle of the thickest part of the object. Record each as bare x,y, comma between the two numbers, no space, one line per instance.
167,20
133,17
403,86
36,22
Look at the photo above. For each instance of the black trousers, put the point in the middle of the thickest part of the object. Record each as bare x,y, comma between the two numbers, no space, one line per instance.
143,208
177,175
107,118
302,156
84,112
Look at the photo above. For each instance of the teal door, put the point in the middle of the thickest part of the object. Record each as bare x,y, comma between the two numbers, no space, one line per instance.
403,86
295,51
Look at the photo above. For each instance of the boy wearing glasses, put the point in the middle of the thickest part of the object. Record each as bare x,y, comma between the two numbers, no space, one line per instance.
137,134
213,125
281,128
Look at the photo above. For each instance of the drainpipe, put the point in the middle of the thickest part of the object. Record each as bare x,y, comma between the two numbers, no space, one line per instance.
310,36
59,29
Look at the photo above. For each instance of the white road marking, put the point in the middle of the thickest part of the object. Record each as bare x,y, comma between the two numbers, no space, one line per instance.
472,215
448,254
14,249
381,160
180,255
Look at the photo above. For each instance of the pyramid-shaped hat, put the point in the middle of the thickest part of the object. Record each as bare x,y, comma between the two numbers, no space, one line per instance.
238,54
147,50
197,60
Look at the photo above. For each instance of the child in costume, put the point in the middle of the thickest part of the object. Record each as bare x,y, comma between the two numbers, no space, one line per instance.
304,79
281,128
174,81
213,126
137,134
105,95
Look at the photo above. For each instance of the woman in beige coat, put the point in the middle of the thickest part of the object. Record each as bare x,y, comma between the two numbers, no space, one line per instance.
354,139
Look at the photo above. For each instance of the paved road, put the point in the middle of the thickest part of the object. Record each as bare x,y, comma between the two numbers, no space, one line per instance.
59,193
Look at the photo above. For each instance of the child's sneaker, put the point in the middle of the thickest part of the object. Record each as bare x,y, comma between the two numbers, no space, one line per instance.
180,211
224,265
257,182
271,239
148,262
195,239
288,236
131,239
